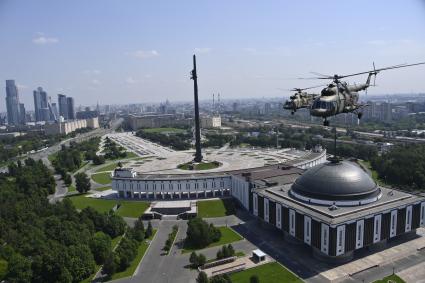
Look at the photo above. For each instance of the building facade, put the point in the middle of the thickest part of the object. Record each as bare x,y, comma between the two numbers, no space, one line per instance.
71,108
67,127
12,103
128,184
63,106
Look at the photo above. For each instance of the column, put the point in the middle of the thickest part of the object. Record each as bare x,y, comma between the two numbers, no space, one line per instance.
213,193
172,195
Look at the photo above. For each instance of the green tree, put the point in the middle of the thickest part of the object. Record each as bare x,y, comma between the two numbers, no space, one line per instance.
100,246
82,182
202,277
109,266
193,259
67,180
201,259
19,269
200,234
3,268
149,230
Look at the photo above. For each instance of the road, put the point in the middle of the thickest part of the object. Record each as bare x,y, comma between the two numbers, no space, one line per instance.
160,268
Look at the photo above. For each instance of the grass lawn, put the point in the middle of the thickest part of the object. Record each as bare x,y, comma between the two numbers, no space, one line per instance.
393,278
132,208
130,154
71,189
102,178
103,189
215,208
101,205
108,167
115,241
127,209
269,272
52,156
140,253
228,235
164,130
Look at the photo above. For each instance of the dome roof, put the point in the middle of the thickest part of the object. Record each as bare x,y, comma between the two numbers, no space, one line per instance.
334,181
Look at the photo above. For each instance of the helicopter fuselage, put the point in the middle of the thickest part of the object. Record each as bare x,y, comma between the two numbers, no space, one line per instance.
333,102
299,100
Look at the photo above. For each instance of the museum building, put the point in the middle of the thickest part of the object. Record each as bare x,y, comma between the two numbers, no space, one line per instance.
334,207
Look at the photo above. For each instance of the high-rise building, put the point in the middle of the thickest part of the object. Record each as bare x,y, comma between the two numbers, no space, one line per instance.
42,106
63,106
22,114
55,111
71,110
12,103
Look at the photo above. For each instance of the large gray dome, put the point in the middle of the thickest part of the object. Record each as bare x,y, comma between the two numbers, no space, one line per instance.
332,181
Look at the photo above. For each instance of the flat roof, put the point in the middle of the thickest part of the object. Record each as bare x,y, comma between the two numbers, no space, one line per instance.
258,253
172,204
390,200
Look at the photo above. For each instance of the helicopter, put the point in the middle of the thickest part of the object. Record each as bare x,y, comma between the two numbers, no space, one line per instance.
300,99
340,97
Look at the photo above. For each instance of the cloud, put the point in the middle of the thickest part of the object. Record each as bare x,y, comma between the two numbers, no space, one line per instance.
144,54
202,50
95,82
41,39
91,72
130,80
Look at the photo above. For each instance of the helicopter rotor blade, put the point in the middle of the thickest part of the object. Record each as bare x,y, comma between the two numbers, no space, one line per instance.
319,74
383,69
374,71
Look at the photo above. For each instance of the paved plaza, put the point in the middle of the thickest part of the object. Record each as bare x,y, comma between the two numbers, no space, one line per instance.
163,160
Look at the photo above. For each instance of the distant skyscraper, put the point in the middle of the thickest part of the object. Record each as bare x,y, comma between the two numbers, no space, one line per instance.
22,114
55,111
12,103
42,107
71,110
63,106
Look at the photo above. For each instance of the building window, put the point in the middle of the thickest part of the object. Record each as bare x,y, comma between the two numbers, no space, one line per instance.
340,238
393,222
325,237
187,186
293,221
408,217
359,234
308,229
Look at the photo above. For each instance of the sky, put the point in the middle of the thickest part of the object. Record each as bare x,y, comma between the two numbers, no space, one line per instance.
134,51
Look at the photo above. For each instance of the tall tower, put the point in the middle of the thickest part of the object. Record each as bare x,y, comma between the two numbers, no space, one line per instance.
12,103
41,105
63,106
198,153
71,107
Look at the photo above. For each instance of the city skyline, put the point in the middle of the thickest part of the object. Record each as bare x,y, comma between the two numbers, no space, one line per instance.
245,50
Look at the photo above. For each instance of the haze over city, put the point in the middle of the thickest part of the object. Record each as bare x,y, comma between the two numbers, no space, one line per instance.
137,51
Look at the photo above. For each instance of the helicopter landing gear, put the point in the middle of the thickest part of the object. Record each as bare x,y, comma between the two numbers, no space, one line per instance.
326,123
